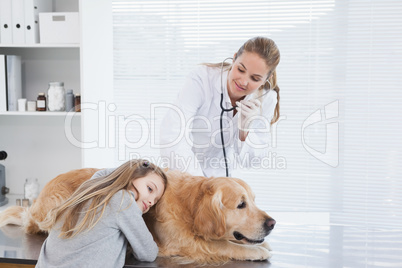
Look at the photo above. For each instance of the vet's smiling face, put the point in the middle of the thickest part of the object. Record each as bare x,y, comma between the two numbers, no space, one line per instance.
245,222
248,73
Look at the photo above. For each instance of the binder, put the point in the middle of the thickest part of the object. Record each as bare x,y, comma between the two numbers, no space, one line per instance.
17,20
14,85
3,84
6,36
32,8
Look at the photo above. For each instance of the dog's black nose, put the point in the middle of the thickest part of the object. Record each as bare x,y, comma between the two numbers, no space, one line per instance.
270,224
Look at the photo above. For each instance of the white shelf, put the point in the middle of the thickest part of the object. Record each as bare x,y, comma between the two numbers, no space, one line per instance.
41,113
39,45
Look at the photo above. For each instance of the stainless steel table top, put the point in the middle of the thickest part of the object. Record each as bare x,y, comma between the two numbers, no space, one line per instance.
294,246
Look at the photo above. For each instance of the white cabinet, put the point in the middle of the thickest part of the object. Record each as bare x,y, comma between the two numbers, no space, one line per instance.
38,143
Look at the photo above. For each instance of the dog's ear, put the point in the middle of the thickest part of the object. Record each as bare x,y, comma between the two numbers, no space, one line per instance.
209,220
246,187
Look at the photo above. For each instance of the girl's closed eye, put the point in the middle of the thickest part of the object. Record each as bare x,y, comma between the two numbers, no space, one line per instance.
240,70
150,189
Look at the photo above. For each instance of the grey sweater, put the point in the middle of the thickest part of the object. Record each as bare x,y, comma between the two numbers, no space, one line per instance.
105,245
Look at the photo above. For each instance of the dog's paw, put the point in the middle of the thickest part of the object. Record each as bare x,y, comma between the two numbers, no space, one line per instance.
266,245
260,254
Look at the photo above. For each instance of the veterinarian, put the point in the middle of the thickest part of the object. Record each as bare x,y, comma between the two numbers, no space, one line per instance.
228,109
92,227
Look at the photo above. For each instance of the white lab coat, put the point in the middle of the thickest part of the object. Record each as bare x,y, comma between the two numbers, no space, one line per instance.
190,131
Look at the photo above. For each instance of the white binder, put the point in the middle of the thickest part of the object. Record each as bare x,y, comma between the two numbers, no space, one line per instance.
31,18
18,23
6,36
14,85
3,84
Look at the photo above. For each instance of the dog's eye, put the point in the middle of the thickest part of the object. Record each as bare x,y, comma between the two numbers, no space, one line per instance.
241,205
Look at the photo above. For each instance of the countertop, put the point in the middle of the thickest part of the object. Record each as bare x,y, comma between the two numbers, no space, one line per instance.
294,246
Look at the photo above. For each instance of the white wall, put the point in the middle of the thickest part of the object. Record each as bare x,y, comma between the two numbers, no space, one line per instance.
37,147
97,79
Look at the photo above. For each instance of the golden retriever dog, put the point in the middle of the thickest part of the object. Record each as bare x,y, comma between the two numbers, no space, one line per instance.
198,219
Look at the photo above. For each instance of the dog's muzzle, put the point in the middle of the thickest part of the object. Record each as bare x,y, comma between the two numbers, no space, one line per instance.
240,237
268,226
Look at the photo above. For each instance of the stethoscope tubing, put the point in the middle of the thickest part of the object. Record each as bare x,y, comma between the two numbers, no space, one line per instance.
229,110
222,139
221,120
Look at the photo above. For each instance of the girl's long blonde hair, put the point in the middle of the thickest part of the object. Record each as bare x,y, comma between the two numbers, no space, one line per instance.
97,193
269,52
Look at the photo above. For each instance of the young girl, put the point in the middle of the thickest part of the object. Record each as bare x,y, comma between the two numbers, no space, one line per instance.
93,226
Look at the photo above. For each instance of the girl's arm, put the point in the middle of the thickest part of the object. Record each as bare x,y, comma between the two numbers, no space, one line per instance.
132,225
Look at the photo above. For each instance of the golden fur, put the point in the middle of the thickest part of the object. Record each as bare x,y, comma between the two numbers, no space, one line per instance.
52,195
198,219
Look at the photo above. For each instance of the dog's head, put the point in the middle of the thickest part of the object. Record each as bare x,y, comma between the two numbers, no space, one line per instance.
227,211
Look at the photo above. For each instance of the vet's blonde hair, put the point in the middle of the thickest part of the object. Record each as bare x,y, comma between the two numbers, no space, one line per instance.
97,193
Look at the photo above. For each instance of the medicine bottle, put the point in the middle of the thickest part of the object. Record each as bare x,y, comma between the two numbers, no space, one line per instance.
69,100
56,97
41,103
77,103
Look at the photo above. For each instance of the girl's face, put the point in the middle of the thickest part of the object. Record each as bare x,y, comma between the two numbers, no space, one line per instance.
148,190
248,73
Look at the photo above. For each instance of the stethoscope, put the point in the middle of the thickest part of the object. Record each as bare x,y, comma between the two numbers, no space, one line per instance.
229,110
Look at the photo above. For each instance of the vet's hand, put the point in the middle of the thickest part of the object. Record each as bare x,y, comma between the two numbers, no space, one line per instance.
247,110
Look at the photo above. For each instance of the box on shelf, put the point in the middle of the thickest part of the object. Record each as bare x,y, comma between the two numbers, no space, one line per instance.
59,28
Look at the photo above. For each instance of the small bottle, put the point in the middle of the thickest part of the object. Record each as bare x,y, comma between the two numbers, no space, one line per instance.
41,103
77,103
31,189
69,100
56,97
25,203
